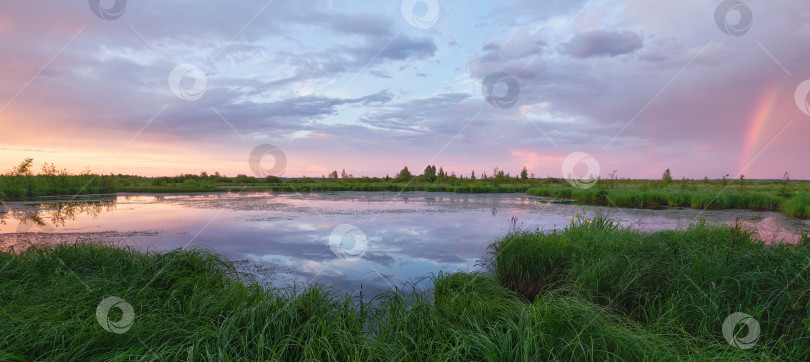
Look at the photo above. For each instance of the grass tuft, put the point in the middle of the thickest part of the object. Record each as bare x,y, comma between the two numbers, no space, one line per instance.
587,292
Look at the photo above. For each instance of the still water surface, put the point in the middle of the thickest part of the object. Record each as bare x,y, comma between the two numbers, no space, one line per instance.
343,239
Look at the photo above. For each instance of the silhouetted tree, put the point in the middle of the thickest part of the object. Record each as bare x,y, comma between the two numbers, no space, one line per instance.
430,173
23,169
404,175
666,177
613,177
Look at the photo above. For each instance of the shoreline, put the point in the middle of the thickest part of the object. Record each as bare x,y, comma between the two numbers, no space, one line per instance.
798,206
535,285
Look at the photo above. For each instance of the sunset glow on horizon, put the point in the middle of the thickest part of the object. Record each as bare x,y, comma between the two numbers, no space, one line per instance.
167,88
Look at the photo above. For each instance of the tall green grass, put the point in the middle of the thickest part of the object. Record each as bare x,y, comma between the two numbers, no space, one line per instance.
764,198
671,282
189,305
797,206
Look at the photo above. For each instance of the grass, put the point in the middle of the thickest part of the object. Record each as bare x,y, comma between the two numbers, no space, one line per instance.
671,282
591,291
791,198
797,206
765,197
712,195
630,194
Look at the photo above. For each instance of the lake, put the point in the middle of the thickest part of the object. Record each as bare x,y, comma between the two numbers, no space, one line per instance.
342,239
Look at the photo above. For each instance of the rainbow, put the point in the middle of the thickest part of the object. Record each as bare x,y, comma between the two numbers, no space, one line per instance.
762,113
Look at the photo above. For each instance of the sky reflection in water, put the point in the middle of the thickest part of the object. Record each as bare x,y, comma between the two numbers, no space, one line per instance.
283,239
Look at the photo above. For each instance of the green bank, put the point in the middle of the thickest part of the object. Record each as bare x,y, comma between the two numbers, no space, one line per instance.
783,195
591,291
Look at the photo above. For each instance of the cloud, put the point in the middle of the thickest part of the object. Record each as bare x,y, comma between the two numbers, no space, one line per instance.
380,74
417,116
397,48
355,78
599,43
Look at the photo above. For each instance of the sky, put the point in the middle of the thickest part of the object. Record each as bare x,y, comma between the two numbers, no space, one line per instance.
702,87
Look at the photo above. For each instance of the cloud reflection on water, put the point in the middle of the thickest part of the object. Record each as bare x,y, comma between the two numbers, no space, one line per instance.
409,236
